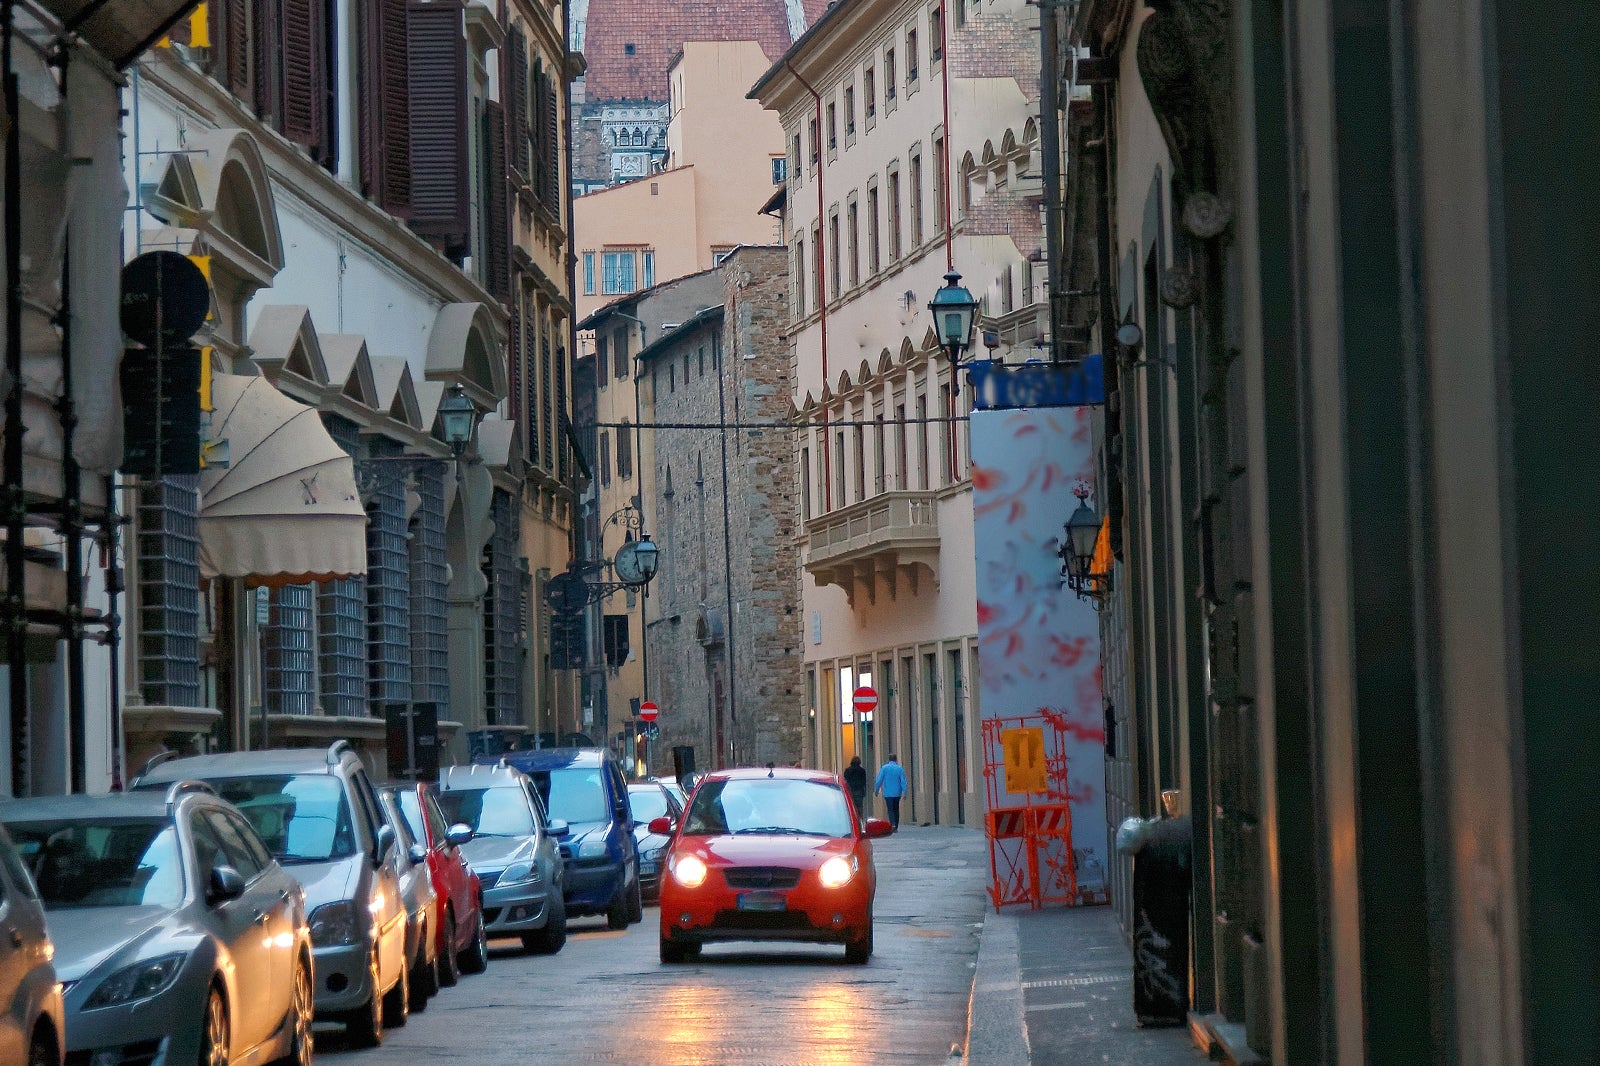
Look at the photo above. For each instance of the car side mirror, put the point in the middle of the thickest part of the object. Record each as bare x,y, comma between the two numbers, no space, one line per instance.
661,826
557,827
459,834
226,884
419,855
879,827
386,840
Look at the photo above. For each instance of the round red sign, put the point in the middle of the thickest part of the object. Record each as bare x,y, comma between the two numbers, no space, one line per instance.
865,699
648,711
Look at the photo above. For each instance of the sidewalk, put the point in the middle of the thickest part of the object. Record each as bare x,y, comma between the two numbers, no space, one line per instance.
1055,986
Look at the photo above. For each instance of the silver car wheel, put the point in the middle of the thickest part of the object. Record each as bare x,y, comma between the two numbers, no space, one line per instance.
300,1046
214,1036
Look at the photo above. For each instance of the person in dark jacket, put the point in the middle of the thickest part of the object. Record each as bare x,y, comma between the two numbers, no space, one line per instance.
855,779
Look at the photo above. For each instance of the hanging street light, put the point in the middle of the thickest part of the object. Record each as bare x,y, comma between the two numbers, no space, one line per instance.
953,312
457,414
1077,550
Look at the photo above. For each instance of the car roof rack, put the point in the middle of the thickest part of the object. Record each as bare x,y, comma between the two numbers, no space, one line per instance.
165,755
337,748
178,789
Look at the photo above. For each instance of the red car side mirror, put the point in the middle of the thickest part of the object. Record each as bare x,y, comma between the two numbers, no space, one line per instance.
879,827
662,826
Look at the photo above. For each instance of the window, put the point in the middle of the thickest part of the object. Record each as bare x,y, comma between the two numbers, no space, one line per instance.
879,459
894,214
605,457
780,169
617,268
816,264
619,348
1007,304
833,129
588,273
922,440
700,357
799,275
947,435
616,640
888,79
602,361
853,238
649,269
838,470
833,254
861,462
794,157
805,484
935,36
624,451
849,114
874,262
672,377
915,191
869,93
960,13
811,128
911,60
720,252
940,166
901,466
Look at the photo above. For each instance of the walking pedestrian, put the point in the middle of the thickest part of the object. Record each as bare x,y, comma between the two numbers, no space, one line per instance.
855,779
891,785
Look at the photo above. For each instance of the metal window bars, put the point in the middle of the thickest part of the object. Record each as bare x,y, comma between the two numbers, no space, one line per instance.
430,666
342,616
388,578
501,609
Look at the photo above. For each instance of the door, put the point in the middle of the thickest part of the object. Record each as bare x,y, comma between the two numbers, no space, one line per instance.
15,962
240,926
272,891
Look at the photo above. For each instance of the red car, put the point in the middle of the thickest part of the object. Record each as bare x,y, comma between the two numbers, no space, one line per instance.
462,946
768,854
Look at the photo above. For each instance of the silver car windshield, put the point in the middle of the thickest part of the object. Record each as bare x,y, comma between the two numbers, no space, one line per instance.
491,812
123,862
768,805
301,817
647,803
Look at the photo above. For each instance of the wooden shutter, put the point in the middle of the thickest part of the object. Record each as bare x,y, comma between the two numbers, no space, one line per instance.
384,120
563,447
369,97
267,59
514,364
235,36
302,102
517,101
437,52
497,217
552,148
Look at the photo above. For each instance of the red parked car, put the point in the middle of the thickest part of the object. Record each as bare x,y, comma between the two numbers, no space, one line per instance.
463,948
769,854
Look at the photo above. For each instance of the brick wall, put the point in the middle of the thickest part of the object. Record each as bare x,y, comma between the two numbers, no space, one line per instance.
997,45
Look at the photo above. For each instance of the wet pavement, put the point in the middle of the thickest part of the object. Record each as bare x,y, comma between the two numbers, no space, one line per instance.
606,998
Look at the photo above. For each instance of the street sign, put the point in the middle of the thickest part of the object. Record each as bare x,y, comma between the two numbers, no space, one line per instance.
865,699
648,711
1026,770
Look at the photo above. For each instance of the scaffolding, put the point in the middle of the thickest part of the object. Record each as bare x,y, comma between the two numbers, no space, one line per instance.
1028,817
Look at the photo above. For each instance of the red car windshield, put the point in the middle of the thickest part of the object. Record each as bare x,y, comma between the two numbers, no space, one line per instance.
768,805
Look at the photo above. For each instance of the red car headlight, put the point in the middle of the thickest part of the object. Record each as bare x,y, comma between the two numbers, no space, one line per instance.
689,871
837,871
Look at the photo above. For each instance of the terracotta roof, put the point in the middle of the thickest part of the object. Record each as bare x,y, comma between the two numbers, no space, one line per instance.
657,30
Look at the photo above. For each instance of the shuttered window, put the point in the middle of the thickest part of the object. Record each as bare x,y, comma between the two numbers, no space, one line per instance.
383,122
437,55
550,194
234,35
563,447
496,213
514,368
517,102
294,76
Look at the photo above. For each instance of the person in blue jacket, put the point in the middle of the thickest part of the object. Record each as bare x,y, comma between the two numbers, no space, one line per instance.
891,785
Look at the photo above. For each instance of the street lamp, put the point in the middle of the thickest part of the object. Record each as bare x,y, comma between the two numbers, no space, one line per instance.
1077,550
648,554
457,414
953,311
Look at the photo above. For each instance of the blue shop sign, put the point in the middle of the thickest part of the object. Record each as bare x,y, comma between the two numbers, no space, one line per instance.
998,386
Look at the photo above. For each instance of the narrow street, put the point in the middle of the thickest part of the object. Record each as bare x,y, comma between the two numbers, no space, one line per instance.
607,999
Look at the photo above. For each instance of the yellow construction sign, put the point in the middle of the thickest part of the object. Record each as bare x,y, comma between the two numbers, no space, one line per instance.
1026,769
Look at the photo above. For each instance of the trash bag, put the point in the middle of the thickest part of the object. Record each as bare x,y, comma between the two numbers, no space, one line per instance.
1133,834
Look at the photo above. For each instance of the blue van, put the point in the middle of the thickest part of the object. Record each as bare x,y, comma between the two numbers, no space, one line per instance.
585,788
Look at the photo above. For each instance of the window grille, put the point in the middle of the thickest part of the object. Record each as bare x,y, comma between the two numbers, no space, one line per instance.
342,617
546,406
288,683
388,582
169,592
430,638
501,608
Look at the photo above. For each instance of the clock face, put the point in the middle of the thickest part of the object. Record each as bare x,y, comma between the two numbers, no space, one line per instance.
627,563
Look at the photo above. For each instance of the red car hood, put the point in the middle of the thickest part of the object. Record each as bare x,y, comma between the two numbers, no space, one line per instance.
756,849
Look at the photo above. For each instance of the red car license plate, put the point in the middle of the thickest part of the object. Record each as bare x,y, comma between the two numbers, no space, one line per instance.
762,901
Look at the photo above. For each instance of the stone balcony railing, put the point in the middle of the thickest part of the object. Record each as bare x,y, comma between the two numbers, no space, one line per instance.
882,543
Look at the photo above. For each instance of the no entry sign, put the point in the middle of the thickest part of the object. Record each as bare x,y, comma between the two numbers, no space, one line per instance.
865,699
648,711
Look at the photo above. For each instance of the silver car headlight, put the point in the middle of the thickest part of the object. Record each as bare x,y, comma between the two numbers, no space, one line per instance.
333,924
139,981
519,873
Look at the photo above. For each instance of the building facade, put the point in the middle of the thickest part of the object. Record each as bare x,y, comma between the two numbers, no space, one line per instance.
911,136
377,235
723,617
1352,618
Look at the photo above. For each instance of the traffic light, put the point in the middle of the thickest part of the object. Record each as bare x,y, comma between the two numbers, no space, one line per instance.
567,641
161,410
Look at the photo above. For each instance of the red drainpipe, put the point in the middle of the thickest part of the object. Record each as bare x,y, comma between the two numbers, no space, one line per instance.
822,288
944,164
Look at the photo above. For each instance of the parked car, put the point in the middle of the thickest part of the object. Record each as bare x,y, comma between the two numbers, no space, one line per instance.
648,801
770,854
672,785
31,1025
422,906
585,788
462,943
319,815
178,937
514,850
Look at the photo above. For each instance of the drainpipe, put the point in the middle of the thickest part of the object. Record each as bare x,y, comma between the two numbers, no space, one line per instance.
822,289
944,164
1050,147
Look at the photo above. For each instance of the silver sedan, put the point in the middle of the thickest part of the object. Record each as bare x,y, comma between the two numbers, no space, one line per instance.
178,937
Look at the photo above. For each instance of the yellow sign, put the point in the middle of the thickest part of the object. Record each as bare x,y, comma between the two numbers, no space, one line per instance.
1024,759
199,30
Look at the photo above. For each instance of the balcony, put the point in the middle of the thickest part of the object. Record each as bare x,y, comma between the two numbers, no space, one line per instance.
879,545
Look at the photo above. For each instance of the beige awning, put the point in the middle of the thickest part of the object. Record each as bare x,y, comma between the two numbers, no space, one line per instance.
120,30
285,510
